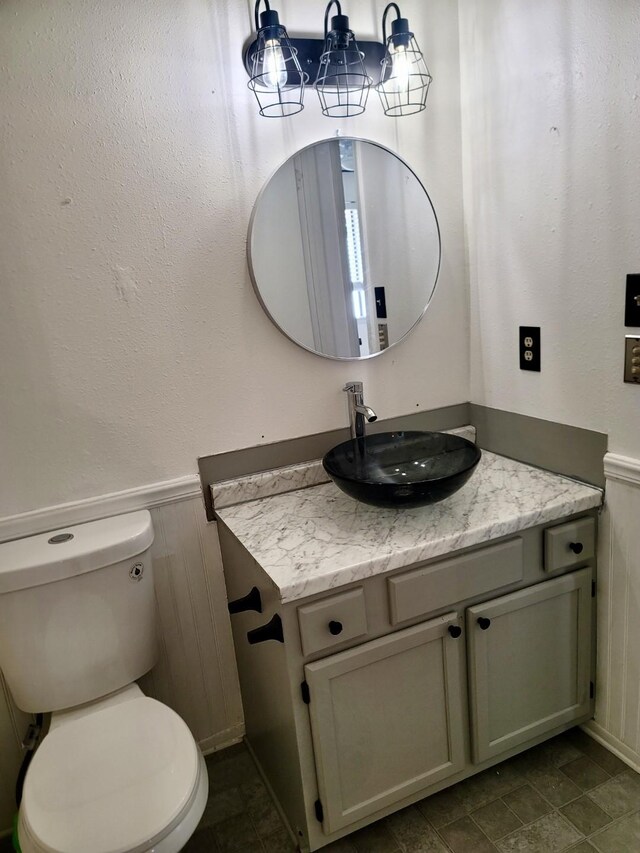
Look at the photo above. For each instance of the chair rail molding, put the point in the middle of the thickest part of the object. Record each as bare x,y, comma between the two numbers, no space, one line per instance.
101,506
623,468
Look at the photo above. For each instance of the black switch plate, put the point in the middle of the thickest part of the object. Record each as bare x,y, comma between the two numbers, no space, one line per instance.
529,343
381,303
632,301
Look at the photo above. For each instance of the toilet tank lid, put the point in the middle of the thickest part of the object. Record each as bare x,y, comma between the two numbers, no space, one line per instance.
74,550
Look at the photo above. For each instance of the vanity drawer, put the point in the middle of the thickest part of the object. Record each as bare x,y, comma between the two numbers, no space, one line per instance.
443,583
333,620
570,544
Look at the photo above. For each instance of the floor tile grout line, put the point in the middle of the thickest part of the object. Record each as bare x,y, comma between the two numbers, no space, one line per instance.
614,822
583,793
501,798
490,840
402,846
473,821
506,805
542,797
522,781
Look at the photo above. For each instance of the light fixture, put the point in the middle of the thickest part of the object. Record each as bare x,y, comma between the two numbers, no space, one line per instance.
342,83
404,79
276,78
342,69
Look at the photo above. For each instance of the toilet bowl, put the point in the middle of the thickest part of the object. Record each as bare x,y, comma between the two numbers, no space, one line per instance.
117,771
121,776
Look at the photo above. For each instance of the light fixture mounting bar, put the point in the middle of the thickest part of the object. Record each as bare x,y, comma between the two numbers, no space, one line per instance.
310,51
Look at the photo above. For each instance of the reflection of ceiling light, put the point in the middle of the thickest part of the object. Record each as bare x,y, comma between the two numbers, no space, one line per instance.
404,79
343,72
359,304
346,155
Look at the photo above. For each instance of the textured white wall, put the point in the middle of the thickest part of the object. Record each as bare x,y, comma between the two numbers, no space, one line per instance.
551,112
131,154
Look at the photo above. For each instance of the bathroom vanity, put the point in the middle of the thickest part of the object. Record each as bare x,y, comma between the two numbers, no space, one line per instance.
386,654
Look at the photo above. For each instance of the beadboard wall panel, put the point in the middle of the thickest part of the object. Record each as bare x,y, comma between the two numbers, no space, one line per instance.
617,717
196,671
13,725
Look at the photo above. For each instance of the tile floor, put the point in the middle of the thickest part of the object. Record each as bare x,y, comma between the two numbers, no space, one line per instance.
568,794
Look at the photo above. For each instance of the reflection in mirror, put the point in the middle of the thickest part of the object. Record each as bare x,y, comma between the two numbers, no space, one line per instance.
344,248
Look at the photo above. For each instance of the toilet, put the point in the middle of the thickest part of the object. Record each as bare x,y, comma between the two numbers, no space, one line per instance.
117,771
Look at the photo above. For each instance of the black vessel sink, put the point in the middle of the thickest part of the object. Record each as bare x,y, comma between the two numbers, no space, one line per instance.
402,469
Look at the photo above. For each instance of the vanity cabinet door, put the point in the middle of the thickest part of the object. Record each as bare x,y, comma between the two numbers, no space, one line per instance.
529,662
387,719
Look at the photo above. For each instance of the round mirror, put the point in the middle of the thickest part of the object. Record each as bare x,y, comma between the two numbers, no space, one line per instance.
344,248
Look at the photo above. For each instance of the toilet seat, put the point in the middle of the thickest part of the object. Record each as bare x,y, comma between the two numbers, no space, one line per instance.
118,780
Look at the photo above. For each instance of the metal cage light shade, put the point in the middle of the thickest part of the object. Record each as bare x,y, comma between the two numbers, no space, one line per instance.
277,80
342,83
404,77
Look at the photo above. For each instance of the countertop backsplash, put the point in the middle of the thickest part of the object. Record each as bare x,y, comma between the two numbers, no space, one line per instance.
287,479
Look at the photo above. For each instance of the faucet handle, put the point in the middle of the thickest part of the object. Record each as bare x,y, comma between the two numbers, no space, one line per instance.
354,387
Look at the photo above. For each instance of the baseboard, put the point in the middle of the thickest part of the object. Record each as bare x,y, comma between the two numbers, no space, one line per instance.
102,506
621,750
221,740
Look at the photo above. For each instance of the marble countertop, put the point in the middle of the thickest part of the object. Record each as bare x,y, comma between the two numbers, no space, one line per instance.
315,539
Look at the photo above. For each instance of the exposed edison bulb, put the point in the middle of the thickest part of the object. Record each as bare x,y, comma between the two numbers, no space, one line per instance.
399,80
275,69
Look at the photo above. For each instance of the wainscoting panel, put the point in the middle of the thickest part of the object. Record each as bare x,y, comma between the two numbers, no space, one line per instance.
617,717
13,726
196,672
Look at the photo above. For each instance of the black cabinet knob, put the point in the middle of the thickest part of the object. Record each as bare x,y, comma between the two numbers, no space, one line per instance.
271,631
455,631
483,622
335,628
576,547
251,601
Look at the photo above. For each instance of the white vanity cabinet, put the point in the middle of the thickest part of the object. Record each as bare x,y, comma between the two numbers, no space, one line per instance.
387,719
529,663
379,693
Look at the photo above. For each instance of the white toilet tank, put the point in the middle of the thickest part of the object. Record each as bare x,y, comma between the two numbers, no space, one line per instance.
77,612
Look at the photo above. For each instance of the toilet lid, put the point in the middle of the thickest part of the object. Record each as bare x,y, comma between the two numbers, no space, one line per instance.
112,781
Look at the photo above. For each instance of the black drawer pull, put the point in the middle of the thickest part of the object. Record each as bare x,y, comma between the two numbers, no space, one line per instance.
576,547
335,628
251,601
271,631
455,631
483,622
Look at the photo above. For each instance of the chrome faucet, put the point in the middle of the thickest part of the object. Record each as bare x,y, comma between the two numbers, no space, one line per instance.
358,412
